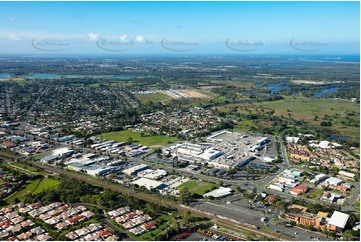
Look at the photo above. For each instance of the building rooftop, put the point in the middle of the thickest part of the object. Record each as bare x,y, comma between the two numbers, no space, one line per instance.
147,183
339,219
220,192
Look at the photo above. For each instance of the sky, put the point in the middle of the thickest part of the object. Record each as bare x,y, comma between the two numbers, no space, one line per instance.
180,27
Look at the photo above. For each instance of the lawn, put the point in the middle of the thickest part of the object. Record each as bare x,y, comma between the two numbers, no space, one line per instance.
200,187
148,140
357,205
46,184
28,188
156,97
8,154
315,193
25,167
34,187
160,228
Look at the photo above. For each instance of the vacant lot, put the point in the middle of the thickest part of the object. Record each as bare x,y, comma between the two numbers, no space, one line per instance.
147,139
156,97
34,187
46,184
316,111
194,94
199,187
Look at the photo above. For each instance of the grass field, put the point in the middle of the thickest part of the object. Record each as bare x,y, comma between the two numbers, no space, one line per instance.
156,97
148,140
27,189
46,184
160,227
315,193
357,205
8,154
307,108
34,187
200,187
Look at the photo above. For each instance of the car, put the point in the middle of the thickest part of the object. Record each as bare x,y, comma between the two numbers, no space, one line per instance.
296,232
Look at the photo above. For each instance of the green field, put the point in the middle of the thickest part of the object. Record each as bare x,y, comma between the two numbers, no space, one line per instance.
357,205
34,187
156,97
27,189
160,228
46,184
147,140
307,108
200,187
315,193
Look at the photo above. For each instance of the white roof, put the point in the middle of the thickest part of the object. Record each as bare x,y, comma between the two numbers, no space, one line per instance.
61,151
220,192
268,159
339,219
147,183
293,140
334,180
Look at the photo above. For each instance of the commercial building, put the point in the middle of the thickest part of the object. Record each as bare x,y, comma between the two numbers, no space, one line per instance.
347,174
332,181
135,169
292,173
338,221
318,178
149,184
220,192
62,152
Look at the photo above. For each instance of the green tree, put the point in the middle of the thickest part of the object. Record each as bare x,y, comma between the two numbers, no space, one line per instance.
130,141
185,195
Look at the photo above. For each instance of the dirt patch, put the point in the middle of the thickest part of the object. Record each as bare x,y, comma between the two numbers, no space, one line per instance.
194,94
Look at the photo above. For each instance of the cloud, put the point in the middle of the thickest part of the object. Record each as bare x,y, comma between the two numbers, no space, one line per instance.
124,38
18,37
93,36
141,39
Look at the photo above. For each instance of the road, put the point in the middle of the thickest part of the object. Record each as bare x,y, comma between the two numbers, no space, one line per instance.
149,197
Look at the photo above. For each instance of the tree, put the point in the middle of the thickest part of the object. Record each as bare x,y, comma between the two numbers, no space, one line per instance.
185,195
130,141
186,217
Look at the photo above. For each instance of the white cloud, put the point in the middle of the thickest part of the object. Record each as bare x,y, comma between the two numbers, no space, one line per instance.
124,38
93,36
140,39
18,37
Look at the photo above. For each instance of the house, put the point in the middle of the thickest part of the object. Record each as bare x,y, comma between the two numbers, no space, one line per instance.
104,233
271,199
332,181
338,221
298,190
72,236
62,225
148,226
342,188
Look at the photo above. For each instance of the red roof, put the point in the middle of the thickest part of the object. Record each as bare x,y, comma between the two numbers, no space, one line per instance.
302,188
35,205
104,233
64,207
148,226
5,223
130,215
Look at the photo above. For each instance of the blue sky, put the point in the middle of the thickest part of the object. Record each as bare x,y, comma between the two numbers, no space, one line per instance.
178,27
